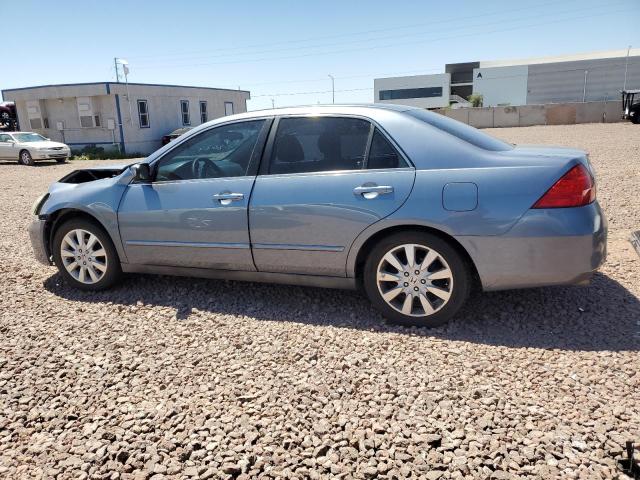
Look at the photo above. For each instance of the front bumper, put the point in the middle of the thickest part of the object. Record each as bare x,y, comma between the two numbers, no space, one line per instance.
50,154
562,246
38,239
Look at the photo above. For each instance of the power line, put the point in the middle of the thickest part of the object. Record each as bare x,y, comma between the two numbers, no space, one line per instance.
519,27
363,32
309,93
404,35
344,77
496,77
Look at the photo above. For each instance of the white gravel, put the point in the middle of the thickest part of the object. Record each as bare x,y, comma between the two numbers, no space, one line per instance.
167,377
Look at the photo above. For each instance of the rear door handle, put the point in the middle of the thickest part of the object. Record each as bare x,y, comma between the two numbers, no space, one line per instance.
372,191
225,198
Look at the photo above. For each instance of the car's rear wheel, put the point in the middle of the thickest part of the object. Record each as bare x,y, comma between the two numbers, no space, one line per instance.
25,158
85,255
416,279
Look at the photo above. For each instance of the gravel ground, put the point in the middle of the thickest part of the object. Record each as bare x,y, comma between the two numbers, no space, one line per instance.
166,377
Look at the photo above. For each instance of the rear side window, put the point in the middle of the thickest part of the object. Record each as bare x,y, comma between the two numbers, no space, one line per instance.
460,130
382,154
319,144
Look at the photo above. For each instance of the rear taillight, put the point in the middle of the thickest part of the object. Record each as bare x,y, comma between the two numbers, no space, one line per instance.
575,188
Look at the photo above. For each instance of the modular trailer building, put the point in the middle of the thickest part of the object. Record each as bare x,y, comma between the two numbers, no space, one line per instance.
588,77
130,117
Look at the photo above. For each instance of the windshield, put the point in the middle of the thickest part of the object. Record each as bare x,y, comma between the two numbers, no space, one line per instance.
28,137
461,130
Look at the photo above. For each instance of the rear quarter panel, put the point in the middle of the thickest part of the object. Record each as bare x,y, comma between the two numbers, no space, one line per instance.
508,183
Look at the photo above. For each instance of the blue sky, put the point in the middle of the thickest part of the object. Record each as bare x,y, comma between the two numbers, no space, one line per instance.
279,49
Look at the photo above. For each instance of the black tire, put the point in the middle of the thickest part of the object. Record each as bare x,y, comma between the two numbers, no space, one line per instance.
113,270
25,158
459,286
61,160
636,118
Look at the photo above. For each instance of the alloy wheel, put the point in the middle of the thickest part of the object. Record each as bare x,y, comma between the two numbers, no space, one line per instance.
414,280
83,256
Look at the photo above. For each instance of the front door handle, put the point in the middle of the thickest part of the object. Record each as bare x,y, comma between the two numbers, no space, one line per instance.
372,191
225,198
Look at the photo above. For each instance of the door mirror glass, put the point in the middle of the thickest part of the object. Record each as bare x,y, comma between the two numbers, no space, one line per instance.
141,172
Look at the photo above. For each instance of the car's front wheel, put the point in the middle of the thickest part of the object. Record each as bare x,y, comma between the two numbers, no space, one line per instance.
61,160
416,279
26,158
85,255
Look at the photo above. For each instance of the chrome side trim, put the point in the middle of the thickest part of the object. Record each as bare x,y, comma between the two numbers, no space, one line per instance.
287,246
265,277
152,243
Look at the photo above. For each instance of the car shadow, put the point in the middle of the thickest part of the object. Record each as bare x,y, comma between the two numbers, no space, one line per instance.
601,316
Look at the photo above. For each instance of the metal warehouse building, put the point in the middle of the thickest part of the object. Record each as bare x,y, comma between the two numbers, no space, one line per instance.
586,77
131,117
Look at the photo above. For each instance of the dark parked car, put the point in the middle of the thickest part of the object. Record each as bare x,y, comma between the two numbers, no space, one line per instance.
8,116
175,134
631,108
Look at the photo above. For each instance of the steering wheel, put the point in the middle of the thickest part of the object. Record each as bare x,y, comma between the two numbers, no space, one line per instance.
203,167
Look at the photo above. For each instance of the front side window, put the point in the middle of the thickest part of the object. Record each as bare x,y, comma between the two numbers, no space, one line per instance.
382,154
203,112
224,151
4,138
143,113
184,111
319,144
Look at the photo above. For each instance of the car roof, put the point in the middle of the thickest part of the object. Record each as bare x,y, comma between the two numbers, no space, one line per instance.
341,109
180,131
373,111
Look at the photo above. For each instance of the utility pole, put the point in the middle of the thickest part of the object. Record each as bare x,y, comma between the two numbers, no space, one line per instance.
273,103
115,64
626,67
125,69
333,89
584,88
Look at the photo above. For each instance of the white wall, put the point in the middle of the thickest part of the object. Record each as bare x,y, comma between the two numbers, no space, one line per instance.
418,81
501,85
164,110
60,104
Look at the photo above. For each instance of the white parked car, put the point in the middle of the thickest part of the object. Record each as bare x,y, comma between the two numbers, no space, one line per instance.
27,147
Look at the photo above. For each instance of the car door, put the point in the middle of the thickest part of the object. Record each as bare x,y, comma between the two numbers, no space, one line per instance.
316,193
6,147
194,211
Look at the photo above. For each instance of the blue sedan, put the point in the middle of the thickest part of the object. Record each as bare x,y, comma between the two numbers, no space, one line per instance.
413,207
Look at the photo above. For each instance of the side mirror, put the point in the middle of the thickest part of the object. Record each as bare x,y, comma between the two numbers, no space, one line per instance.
141,172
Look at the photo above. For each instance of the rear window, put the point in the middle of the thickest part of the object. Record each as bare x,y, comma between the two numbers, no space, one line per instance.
461,130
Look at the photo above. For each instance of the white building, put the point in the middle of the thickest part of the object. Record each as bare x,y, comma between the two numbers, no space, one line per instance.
595,76
130,118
